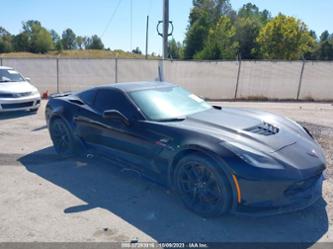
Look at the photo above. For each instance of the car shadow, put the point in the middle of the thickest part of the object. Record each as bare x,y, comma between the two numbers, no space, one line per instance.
158,213
15,115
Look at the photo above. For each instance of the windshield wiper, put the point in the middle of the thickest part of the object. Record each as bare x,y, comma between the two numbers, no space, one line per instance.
171,119
3,81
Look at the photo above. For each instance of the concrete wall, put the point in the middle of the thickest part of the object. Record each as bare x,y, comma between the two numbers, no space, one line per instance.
79,74
132,70
317,81
213,80
273,80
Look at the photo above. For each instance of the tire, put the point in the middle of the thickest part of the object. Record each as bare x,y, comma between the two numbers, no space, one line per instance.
203,188
62,138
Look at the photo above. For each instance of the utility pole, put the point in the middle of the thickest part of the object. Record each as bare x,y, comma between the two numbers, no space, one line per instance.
165,28
165,34
147,36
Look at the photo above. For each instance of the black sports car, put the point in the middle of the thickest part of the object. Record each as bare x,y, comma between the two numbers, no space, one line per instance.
217,159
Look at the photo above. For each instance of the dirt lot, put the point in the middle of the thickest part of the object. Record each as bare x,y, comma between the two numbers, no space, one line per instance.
43,198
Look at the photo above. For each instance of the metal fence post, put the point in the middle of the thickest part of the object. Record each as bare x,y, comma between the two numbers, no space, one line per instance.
116,70
238,77
300,81
58,87
0,61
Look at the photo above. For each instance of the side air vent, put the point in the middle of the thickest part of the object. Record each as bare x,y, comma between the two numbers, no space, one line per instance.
264,129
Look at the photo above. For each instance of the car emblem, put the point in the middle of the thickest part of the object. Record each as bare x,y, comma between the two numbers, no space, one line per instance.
313,153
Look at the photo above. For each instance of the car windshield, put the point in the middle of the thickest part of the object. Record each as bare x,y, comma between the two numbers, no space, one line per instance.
170,103
10,75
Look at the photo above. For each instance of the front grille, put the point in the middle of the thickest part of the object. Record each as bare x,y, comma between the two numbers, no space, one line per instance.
14,95
6,95
302,186
264,129
16,106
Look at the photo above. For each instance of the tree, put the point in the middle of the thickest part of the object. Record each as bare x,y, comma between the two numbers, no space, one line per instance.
41,40
324,36
176,49
248,24
80,42
285,38
6,41
95,43
34,38
56,40
221,42
251,10
21,42
69,39
204,15
324,50
136,51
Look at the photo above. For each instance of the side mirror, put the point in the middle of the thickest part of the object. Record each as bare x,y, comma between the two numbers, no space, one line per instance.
28,79
117,116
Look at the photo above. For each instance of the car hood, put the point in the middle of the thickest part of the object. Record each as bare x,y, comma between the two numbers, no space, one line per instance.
16,87
285,140
260,130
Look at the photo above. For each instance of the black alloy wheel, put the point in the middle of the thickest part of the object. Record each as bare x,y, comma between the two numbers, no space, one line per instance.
202,188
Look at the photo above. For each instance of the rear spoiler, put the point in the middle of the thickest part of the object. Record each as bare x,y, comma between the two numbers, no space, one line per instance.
60,95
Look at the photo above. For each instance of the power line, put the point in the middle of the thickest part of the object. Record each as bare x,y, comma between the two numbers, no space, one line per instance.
111,18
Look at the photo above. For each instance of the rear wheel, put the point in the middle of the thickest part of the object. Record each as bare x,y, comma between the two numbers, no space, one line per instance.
62,138
202,188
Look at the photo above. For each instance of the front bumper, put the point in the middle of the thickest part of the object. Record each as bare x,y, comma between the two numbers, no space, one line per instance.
263,198
20,104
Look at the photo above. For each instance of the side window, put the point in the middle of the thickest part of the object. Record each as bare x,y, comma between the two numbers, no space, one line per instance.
88,97
114,100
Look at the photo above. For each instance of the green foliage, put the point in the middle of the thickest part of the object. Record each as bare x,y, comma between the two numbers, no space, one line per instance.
69,39
324,49
248,24
221,43
95,43
34,38
41,40
137,51
80,42
56,40
248,29
176,50
285,38
6,44
204,15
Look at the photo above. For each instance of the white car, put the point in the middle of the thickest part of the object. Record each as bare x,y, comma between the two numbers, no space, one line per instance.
16,92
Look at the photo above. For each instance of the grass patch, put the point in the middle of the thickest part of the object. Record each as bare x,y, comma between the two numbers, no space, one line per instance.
99,54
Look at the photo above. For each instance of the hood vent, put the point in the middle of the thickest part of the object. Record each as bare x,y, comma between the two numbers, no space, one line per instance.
264,129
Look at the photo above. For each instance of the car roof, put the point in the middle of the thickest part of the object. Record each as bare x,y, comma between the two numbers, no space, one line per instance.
3,67
138,86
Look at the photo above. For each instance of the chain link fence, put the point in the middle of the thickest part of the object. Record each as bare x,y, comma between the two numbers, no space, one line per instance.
295,80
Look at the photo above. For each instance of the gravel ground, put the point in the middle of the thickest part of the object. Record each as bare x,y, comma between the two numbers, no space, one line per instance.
43,198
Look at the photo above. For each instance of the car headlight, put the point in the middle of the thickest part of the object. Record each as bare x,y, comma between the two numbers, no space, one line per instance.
302,128
252,157
35,92
308,132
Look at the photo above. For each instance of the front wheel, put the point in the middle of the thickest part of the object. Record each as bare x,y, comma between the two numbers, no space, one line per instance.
202,187
62,138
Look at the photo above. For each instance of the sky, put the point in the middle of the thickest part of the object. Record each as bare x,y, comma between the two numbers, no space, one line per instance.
112,19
